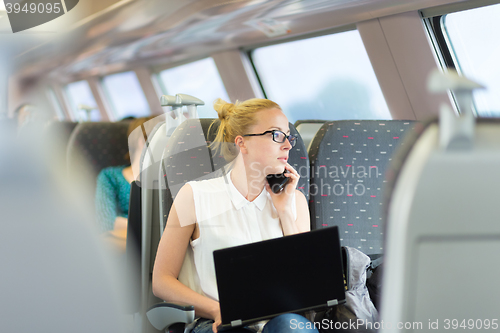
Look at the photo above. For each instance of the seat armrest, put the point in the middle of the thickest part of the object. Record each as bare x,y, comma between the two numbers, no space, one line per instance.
162,315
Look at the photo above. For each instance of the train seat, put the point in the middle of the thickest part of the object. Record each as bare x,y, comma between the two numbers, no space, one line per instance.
443,235
145,186
56,275
308,129
100,145
8,124
61,128
146,226
61,131
348,164
133,244
189,143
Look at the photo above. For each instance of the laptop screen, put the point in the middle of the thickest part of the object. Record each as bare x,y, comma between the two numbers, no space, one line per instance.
287,274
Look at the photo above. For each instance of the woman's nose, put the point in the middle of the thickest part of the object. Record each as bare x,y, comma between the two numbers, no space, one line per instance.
287,144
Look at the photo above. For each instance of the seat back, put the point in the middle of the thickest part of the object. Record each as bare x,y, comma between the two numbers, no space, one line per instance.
348,164
150,185
100,144
61,131
133,244
159,131
62,128
9,126
56,274
443,235
308,129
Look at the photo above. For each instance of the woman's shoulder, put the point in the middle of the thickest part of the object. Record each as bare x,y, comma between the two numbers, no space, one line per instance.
113,170
208,185
112,173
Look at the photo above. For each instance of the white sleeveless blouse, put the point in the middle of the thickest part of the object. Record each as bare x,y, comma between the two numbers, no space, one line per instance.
226,218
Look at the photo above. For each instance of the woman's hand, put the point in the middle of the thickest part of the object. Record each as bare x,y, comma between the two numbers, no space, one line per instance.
217,320
283,200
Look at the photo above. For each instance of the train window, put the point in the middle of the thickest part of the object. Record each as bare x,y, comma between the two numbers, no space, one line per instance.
200,79
328,77
83,104
55,104
473,38
126,96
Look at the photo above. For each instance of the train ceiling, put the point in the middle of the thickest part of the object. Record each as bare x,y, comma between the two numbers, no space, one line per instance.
111,35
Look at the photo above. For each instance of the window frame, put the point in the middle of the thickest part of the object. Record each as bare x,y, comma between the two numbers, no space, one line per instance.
447,60
436,30
73,113
443,47
248,50
55,103
109,101
160,85
155,70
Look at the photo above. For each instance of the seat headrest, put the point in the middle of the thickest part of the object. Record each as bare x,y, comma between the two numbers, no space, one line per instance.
348,164
100,144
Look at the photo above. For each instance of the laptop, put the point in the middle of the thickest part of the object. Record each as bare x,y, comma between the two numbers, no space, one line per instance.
288,274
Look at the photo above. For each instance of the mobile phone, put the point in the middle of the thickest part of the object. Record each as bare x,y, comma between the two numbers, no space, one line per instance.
277,181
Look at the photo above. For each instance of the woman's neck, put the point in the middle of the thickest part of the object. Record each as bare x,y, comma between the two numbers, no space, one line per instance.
248,181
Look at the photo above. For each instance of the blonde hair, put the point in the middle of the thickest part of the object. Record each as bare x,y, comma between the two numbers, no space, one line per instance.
235,119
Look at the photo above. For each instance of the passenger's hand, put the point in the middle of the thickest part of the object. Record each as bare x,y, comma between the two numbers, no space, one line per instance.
217,322
283,200
120,225
215,315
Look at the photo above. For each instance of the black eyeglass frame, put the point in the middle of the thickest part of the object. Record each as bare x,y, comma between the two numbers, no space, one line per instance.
292,138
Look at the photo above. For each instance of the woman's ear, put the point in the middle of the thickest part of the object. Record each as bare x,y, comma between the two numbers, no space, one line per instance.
239,141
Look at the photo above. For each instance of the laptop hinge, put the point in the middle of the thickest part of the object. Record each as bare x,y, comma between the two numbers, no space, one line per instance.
332,302
236,323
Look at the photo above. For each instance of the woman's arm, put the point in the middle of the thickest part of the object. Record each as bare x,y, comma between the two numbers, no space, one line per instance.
170,256
283,202
106,204
302,223
120,223
120,231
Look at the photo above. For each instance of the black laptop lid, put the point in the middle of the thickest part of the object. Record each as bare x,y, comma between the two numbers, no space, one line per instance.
287,274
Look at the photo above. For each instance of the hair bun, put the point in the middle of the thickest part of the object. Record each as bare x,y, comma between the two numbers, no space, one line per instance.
223,108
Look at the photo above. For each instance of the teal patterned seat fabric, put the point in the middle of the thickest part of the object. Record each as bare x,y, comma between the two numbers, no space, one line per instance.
348,164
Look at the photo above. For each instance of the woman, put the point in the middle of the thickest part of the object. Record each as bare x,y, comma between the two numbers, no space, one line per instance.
236,209
113,189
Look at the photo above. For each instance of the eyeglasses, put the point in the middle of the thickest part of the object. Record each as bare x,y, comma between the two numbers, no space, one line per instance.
279,137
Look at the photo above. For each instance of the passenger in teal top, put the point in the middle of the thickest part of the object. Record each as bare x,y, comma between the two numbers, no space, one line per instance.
112,197
113,188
